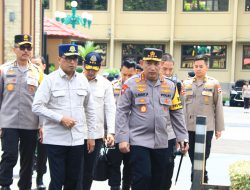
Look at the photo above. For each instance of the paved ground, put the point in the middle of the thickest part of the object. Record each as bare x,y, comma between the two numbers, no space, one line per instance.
231,147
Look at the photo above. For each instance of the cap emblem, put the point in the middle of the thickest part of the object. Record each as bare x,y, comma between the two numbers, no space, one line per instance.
93,59
72,49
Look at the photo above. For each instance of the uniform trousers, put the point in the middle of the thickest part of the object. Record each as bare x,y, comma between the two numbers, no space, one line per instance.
148,168
209,136
116,158
89,163
246,103
65,166
170,163
41,159
25,140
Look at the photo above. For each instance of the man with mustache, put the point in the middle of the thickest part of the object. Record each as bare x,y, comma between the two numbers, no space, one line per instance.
64,100
148,105
105,110
18,83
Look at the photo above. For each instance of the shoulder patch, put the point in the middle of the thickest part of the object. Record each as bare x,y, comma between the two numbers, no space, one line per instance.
124,88
218,87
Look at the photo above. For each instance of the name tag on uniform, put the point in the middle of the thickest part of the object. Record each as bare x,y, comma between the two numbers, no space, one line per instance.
32,81
207,93
10,80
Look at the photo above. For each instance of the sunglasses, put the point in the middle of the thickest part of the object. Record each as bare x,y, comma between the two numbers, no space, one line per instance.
23,47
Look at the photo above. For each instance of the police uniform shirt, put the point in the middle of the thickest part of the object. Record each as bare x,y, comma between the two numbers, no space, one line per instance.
178,83
59,96
203,98
17,89
103,96
145,111
117,87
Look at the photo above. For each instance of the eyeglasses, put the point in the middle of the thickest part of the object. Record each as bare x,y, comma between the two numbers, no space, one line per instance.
23,47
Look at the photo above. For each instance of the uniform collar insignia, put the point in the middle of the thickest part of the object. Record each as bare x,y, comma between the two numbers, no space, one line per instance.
143,76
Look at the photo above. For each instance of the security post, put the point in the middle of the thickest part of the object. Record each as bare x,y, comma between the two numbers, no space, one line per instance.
199,157
199,152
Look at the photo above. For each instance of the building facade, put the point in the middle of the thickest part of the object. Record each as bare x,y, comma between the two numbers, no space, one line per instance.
19,17
184,28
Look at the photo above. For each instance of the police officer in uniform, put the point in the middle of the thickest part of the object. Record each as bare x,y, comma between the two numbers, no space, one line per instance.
149,104
167,70
128,69
18,83
202,96
40,159
115,156
64,100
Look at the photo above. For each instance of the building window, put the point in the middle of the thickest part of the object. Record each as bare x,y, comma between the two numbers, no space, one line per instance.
216,54
145,5
205,5
45,4
97,5
247,6
135,51
246,57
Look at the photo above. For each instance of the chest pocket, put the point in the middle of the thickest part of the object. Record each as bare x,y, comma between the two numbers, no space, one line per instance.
59,97
165,103
98,97
189,96
207,97
141,101
81,94
11,82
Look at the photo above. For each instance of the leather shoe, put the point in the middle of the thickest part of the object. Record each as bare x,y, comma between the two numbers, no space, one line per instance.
5,188
39,183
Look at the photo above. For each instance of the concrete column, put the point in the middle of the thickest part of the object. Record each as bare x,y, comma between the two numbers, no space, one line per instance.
26,16
172,27
112,34
233,58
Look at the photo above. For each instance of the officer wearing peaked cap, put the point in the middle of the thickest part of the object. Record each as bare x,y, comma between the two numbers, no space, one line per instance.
64,100
147,106
105,111
18,83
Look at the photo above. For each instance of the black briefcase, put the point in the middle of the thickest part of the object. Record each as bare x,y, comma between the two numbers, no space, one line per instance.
101,168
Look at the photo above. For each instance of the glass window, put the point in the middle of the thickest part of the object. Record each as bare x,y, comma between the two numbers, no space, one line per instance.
205,5
97,5
246,57
145,5
216,54
46,4
135,51
247,6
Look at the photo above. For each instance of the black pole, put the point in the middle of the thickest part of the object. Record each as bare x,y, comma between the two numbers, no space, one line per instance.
179,168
